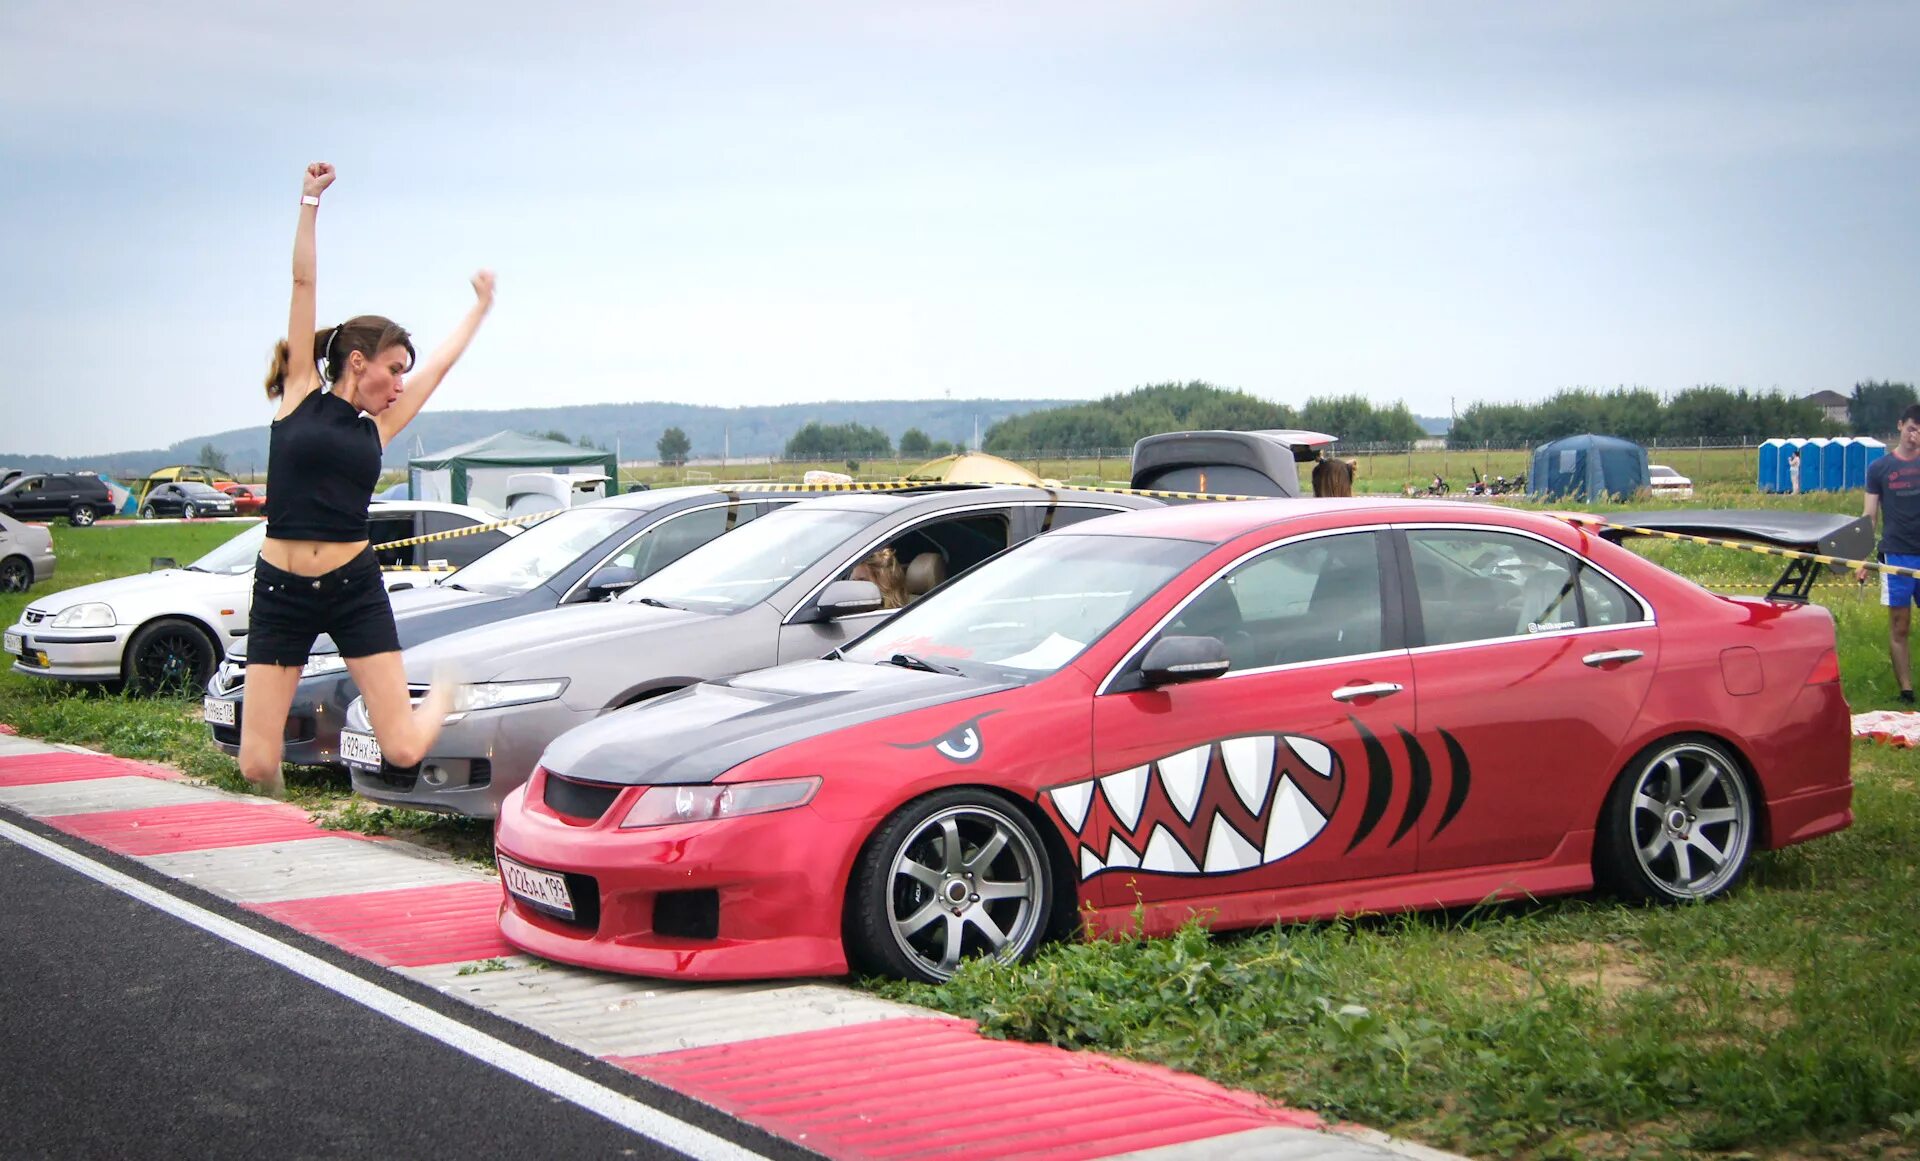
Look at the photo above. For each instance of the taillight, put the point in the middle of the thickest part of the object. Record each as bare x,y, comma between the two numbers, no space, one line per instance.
1826,670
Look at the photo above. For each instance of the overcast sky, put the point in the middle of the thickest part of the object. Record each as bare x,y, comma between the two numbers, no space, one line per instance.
745,203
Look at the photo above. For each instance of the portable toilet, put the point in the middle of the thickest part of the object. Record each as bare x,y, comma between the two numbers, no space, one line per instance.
1773,454
1833,465
1795,447
1861,451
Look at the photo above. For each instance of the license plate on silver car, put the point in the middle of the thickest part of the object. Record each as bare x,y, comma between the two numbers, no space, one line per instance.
543,889
217,710
358,749
14,644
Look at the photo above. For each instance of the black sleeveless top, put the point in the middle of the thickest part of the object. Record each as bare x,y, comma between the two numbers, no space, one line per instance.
323,462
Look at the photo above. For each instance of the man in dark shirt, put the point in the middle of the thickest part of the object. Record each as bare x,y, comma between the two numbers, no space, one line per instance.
1893,494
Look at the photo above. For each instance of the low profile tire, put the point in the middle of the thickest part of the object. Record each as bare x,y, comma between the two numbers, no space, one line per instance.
189,512
170,656
953,875
81,516
1679,824
16,575
146,512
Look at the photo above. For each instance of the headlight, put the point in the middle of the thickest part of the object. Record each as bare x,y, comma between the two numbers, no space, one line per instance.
323,664
662,805
494,694
92,615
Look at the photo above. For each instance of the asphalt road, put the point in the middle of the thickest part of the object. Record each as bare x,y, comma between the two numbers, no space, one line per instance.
128,1032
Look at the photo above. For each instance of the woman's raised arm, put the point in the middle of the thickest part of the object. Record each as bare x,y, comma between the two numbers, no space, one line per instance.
422,380
300,376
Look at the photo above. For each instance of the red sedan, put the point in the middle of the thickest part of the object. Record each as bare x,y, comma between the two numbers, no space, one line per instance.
1250,711
248,499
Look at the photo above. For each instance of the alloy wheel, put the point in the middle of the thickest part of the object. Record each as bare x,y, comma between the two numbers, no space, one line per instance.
965,882
15,576
1690,821
171,659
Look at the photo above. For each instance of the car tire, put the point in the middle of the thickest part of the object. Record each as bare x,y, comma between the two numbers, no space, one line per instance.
16,575
920,924
81,516
170,655
188,512
1679,824
147,512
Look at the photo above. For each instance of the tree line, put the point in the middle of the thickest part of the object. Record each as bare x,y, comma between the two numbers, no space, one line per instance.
1118,420
1709,412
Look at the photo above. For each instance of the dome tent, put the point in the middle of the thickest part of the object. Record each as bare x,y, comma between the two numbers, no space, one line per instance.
476,473
1588,466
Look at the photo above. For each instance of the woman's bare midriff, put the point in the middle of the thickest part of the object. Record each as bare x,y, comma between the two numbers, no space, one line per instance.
309,557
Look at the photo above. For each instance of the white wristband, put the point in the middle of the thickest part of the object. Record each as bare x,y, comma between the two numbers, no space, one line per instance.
309,200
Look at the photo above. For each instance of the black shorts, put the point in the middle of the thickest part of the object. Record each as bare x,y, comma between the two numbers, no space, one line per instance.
348,604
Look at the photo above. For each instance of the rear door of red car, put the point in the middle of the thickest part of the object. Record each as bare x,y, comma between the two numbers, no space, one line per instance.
1279,772
1532,665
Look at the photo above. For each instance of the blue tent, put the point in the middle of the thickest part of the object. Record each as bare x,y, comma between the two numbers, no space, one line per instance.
1588,466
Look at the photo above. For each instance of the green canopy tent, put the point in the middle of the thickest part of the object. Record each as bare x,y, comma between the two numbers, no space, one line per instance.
476,473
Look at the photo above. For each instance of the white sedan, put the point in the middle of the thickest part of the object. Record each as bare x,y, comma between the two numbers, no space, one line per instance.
170,627
1664,481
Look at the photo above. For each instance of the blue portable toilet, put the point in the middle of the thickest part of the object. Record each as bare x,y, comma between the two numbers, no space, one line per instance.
1796,446
1861,451
1833,464
1773,457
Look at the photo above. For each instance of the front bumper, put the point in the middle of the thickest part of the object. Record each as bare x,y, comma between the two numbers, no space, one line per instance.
71,654
312,734
740,898
476,762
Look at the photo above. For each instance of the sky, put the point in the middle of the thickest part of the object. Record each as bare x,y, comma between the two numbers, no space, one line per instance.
741,203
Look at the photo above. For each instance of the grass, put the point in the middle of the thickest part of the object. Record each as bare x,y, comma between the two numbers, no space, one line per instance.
1775,1023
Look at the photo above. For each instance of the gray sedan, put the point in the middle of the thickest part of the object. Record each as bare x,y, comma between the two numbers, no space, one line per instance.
26,555
761,596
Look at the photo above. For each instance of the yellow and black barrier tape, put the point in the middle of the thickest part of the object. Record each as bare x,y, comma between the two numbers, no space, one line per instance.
1740,545
900,485
456,533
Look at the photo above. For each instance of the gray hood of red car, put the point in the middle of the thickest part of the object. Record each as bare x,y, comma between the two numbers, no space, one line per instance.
699,733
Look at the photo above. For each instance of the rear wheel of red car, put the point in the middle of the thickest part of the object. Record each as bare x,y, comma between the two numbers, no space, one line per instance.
1678,825
951,876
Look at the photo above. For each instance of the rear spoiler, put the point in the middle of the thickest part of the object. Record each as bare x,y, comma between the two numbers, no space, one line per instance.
1842,538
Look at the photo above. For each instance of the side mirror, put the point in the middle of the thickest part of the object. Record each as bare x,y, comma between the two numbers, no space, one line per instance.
1174,660
611,579
848,598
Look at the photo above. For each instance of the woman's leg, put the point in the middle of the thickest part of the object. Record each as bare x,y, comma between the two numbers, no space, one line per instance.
406,732
263,723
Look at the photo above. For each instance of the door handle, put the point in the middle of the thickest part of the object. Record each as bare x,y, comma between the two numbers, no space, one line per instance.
1371,689
1596,660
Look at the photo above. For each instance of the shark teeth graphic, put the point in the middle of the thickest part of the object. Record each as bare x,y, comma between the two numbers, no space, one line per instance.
1164,853
1249,768
1292,823
1183,775
1127,793
1072,802
1314,754
1119,854
1090,864
1228,850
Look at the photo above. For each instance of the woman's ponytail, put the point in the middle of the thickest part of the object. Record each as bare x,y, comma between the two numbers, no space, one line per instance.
277,371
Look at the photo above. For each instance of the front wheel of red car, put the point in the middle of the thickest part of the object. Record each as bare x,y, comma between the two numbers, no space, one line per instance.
1678,825
948,877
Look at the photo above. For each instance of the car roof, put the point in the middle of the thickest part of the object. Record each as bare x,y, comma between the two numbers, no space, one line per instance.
1217,522
936,497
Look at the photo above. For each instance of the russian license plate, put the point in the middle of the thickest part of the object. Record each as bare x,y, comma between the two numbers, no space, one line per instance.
217,710
543,889
15,645
358,749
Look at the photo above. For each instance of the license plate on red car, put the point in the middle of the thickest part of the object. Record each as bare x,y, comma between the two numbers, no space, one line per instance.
543,889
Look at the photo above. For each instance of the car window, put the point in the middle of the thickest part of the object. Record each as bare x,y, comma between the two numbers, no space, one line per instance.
459,551
748,566
1066,515
1603,602
676,536
235,556
382,529
1305,601
1480,584
32,485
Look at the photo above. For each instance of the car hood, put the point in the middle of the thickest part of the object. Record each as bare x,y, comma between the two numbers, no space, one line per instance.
168,586
701,732
488,650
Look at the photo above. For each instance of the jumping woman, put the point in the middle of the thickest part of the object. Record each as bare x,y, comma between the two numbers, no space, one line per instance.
341,403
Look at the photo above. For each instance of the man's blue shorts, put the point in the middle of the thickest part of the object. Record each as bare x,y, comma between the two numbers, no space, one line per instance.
1897,592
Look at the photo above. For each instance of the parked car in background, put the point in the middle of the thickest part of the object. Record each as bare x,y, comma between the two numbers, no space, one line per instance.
578,556
81,497
26,555
169,628
187,501
248,499
779,589
1664,481
1258,712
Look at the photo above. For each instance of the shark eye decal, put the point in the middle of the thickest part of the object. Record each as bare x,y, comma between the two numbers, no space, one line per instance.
962,743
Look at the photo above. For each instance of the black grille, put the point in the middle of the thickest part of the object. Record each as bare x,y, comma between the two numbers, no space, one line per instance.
34,618
480,772
393,777
687,914
296,729
586,801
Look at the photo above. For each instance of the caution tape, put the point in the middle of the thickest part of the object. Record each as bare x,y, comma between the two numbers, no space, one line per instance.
456,533
900,485
1741,545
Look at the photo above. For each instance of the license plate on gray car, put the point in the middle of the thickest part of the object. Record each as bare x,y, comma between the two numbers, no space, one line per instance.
218,711
358,749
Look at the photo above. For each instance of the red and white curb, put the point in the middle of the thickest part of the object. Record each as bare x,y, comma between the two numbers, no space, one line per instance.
830,1068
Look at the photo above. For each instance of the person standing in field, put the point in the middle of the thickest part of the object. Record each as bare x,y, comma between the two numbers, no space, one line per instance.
1893,494
341,402
1793,471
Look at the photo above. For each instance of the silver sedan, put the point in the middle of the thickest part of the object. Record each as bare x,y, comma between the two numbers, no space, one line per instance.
26,555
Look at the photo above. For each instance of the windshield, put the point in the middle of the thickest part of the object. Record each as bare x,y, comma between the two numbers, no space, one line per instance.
746,567
1027,613
533,557
235,556
200,490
